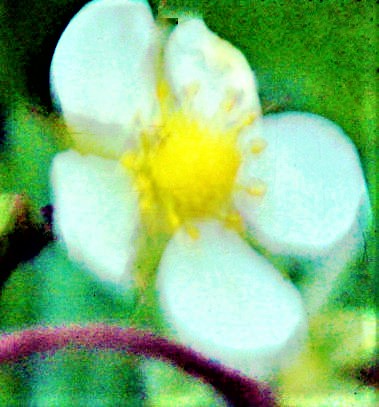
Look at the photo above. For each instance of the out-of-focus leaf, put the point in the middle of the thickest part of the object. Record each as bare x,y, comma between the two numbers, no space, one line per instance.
6,213
167,387
323,375
32,140
52,291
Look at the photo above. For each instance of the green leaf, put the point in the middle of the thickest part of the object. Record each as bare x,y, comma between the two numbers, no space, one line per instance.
6,213
52,291
32,140
168,387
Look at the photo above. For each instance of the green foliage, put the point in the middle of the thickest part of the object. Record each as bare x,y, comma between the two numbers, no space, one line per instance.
31,142
6,212
52,291
168,387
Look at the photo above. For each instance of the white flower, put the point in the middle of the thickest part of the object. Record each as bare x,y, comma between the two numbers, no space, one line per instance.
169,134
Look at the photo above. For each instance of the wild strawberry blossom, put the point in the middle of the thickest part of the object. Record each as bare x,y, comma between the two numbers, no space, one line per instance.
169,135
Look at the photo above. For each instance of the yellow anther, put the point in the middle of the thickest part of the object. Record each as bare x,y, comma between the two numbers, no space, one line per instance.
234,221
258,189
228,104
248,119
173,219
192,231
258,145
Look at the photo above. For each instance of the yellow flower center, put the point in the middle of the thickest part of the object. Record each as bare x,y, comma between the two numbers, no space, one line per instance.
185,169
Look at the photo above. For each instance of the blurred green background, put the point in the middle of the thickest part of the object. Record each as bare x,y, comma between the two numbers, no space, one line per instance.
315,56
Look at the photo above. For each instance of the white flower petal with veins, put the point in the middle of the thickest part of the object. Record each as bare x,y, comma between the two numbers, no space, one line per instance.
103,73
96,213
225,300
196,56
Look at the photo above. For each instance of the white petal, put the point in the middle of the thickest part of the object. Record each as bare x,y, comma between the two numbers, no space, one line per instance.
95,213
103,73
196,56
225,300
316,206
315,185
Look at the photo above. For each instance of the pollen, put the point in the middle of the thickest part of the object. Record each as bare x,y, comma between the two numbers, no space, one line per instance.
258,145
258,189
185,169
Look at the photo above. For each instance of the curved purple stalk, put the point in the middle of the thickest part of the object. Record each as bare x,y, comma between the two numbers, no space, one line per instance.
237,389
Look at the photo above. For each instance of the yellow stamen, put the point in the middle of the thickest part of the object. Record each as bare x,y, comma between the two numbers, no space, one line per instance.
233,220
258,145
192,231
172,218
230,101
258,189
185,168
248,119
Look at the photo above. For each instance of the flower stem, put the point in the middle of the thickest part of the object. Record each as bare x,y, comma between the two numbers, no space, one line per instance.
238,390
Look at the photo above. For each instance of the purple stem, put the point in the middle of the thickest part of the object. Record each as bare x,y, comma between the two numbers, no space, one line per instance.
237,389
